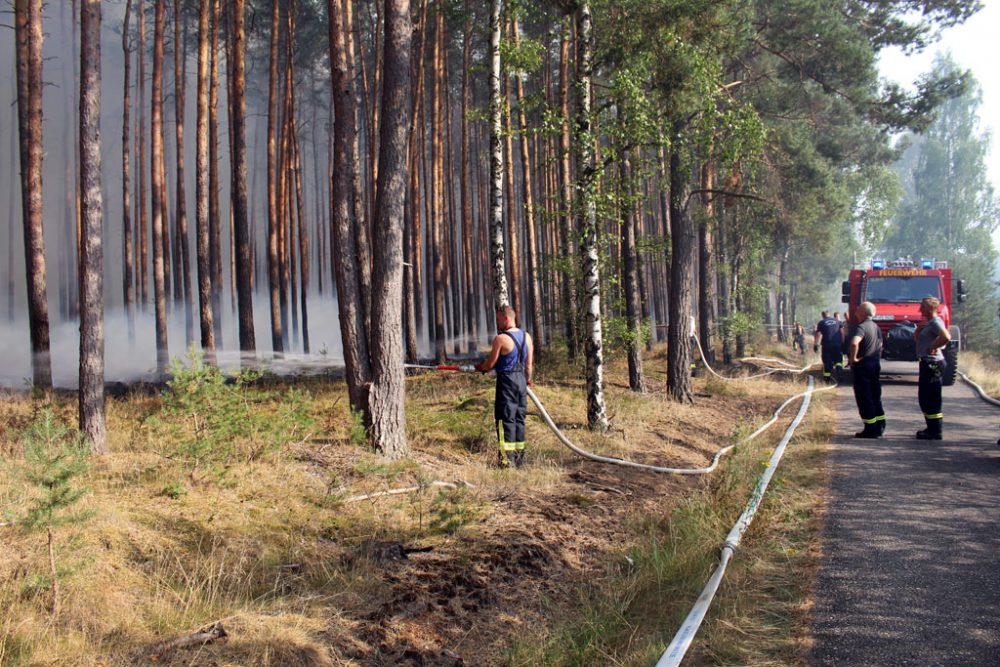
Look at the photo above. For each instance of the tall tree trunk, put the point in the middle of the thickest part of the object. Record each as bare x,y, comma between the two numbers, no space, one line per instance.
91,394
244,266
345,251
414,204
682,260
361,219
28,26
388,429
158,189
630,270
725,298
501,297
566,205
214,219
128,266
143,216
471,316
530,240
514,254
706,264
437,221
597,418
273,266
295,184
180,83
206,312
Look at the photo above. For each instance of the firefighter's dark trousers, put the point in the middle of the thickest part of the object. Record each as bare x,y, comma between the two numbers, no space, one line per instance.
509,410
833,357
929,392
868,393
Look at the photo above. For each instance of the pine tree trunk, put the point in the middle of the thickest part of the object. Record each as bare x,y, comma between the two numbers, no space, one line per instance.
143,217
471,319
180,85
214,219
206,311
414,199
530,240
388,428
277,338
158,189
128,267
513,249
360,229
630,270
345,251
437,186
566,214
244,266
497,259
597,418
706,264
91,394
682,266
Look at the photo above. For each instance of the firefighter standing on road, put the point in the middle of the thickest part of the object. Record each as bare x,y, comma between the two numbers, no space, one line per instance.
931,337
512,355
865,354
828,331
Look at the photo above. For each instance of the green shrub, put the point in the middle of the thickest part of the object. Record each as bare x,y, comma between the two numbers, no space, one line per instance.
208,422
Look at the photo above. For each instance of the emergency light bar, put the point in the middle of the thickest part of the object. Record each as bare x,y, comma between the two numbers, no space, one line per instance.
878,264
927,264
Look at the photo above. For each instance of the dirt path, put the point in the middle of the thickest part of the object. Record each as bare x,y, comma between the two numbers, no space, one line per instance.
911,568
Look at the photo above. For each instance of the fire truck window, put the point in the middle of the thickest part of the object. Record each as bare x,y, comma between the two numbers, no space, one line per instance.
901,289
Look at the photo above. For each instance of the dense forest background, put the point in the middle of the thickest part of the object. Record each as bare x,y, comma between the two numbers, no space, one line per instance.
630,164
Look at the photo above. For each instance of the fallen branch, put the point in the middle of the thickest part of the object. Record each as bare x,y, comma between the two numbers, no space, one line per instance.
202,637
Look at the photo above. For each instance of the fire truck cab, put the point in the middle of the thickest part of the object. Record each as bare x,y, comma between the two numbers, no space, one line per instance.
896,288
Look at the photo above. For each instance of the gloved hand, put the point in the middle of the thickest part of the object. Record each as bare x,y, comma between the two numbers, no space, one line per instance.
480,367
815,348
529,383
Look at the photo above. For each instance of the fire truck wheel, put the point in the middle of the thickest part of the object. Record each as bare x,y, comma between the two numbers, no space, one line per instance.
951,372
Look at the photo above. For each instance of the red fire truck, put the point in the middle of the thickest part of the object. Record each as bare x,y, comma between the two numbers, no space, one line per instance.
896,288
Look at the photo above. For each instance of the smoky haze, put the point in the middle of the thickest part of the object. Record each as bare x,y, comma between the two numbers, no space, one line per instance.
136,360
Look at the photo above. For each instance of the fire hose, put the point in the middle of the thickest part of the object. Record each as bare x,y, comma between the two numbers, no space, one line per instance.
681,642
979,390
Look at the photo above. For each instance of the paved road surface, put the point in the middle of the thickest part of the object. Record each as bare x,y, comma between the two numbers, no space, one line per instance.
910,573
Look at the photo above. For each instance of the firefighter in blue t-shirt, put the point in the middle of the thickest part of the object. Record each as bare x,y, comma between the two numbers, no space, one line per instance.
828,335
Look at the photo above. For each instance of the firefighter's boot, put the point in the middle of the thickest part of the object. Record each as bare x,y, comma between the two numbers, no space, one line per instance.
933,430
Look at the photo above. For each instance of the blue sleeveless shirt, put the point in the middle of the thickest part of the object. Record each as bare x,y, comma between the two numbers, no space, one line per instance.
514,360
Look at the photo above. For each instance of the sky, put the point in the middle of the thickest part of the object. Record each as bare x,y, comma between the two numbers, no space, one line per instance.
973,45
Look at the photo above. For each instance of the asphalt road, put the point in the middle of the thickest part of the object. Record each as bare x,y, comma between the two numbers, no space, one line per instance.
910,572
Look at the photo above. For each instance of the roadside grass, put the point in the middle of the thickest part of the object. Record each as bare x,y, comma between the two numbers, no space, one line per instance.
628,616
983,369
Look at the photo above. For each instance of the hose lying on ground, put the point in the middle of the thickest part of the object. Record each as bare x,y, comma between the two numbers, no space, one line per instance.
407,489
679,645
979,390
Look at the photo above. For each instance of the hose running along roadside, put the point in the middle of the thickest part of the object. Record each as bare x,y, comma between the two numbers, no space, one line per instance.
632,464
979,390
681,642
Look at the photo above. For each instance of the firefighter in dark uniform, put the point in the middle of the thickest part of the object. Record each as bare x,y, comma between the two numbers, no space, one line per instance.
828,331
865,354
931,337
512,356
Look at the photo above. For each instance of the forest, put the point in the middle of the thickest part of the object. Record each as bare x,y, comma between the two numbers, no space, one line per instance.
366,182
243,240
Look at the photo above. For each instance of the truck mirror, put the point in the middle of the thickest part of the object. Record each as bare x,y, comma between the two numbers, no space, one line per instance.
846,298
845,289
961,291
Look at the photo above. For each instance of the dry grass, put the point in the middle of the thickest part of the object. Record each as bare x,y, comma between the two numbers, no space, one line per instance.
270,548
984,371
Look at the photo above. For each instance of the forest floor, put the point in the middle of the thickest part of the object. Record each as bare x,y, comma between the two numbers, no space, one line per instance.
563,561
